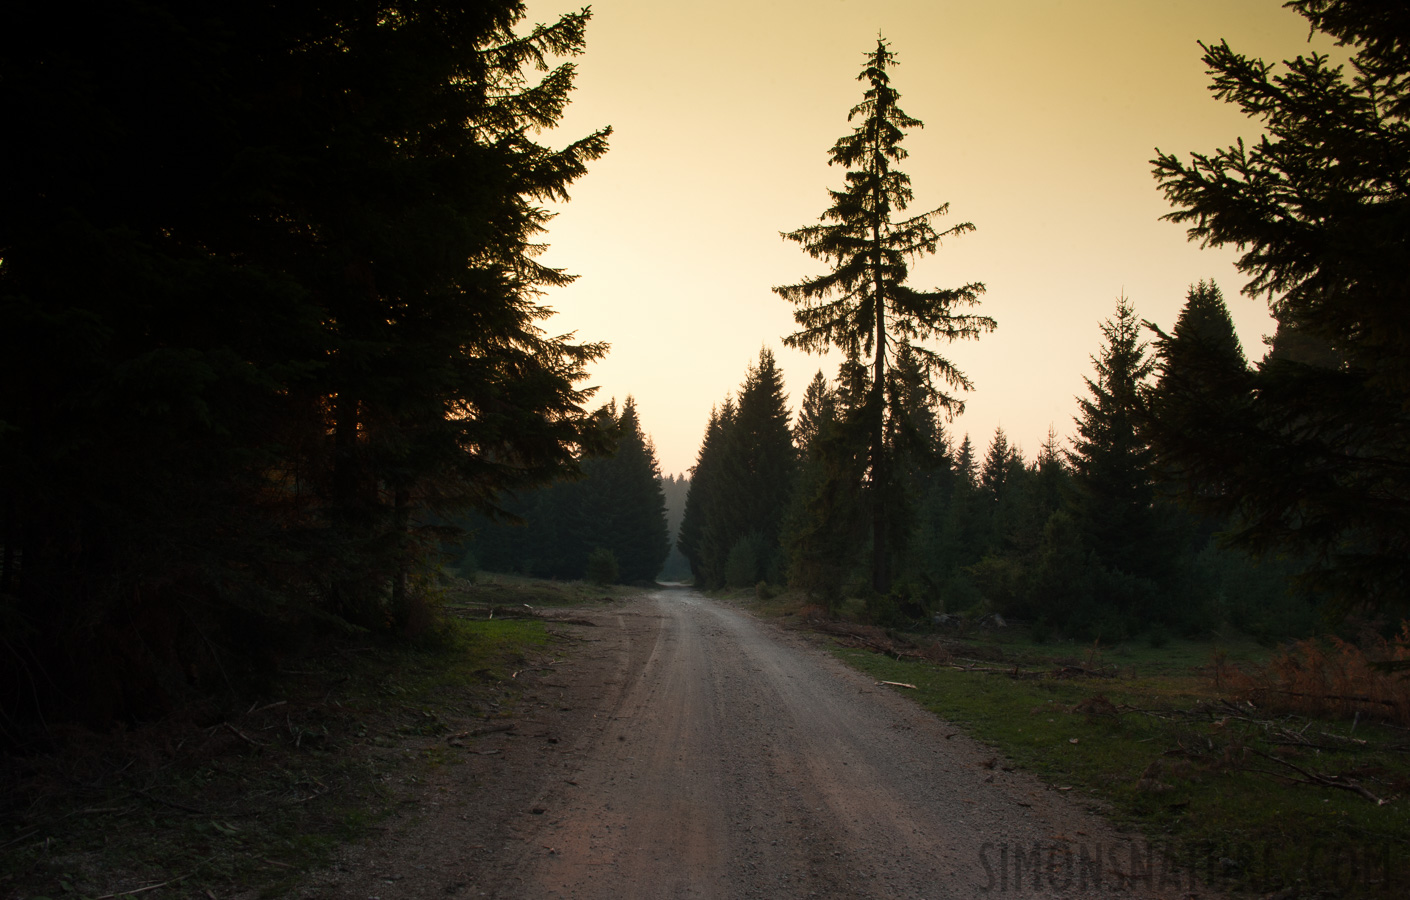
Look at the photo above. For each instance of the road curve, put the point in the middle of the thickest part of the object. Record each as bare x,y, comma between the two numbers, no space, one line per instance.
740,761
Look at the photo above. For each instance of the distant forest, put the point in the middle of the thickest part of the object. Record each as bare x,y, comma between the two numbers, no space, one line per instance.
1087,540
608,525
615,521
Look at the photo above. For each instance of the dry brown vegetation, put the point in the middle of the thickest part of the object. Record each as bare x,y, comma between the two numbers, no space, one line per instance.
1330,678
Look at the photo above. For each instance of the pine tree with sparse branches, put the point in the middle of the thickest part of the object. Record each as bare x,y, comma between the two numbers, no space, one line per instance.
863,306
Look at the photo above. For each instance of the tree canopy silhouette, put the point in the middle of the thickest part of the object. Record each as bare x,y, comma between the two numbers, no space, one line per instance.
1317,458
863,306
1112,468
269,293
615,509
741,484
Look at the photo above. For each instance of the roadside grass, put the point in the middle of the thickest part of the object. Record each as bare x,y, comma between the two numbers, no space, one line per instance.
1241,797
488,590
246,794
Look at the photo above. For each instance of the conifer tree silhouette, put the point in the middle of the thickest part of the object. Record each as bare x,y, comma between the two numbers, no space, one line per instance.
864,307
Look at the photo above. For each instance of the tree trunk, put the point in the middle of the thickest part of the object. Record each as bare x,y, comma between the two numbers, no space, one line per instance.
350,594
880,577
345,462
11,538
402,523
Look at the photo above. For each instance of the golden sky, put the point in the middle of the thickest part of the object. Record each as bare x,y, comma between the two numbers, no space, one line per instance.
1040,117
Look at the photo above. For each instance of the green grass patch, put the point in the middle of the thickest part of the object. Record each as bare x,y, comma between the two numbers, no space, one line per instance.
490,590
1160,749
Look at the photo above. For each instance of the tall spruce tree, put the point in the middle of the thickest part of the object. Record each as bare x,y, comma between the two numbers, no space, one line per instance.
1202,394
736,509
822,530
958,529
629,517
694,540
761,464
965,467
1052,473
864,306
1318,463
998,463
816,412
916,447
1112,463
915,434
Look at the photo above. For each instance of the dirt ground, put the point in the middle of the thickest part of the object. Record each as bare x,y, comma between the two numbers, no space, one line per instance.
682,748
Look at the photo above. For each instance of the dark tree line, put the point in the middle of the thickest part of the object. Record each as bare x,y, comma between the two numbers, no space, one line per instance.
739,489
1087,541
675,487
268,298
608,524
1309,450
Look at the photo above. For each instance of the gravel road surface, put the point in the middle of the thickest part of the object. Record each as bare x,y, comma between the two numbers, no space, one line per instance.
690,750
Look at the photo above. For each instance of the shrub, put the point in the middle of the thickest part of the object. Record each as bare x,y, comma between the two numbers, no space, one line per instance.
745,560
959,594
1158,635
1004,584
1040,632
468,567
1332,677
602,566
882,610
1256,597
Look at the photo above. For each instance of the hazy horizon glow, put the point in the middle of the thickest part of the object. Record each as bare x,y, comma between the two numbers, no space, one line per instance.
1040,120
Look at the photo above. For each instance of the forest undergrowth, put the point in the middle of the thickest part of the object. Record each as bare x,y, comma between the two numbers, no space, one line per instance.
247,792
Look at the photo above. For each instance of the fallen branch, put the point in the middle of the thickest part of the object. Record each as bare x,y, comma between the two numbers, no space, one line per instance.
172,803
480,732
28,834
242,736
899,684
1070,671
494,612
1314,778
145,888
1349,698
1011,672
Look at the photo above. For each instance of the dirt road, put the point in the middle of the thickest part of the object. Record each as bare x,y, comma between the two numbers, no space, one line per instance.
692,751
